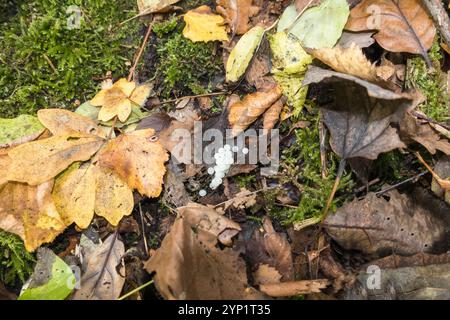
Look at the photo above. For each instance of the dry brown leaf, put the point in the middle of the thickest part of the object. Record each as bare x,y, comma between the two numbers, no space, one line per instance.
404,26
104,276
243,199
29,212
64,122
138,160
350,61
39,161
423,133
361,39
245,112
393,223
189,265
293,288
272,115
237,14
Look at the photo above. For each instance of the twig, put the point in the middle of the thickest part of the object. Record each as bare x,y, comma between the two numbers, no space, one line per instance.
323,149
135,290
143,229
192,97
395,186
440,17
141,51
335,187
50,63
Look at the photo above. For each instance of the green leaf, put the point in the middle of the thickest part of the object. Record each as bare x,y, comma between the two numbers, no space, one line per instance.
52,278
21,129
290,62
242,53
320,26
287,18
88,110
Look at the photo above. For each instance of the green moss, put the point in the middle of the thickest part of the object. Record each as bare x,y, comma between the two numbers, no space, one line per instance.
301,166
245,181
45,64
431,82
183,67
16,264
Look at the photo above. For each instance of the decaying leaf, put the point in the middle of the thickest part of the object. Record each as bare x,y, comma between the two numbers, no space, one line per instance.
393,223
104,276
301,5
290,62
360,39
29,212
243,199
272,115
243,113
408,283
203,25
39,161
293,288
52,278
350,61
318,27
19,130
151,6
423,133
189,265
63,122
266,274
237,14
441,175
358,114
138,160
118,99
242,54
403,26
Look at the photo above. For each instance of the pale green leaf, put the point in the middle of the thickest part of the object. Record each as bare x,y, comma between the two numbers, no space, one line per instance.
321,26
52,278
287,18
242,53
21,129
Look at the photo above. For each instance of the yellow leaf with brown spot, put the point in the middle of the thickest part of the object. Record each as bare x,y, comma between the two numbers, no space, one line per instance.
39,161
64,122
141,94
74,195
29,212
113,197
203,25
138,160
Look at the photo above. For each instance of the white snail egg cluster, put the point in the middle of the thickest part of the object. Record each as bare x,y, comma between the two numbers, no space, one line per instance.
224,159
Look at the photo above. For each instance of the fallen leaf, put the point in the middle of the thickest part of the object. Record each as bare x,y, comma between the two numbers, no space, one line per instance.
393,223
441,175
5,161
243,199
423,133
350,61
151,6
190,266
403,26
39,161
360,39
290,63
242,54
358,114
118,99
243,113
52,278
266,274
63,122
19,130
237,14
318,27
138,160
293,288
272,115
418,260
203,25
301,5
103,279
29,212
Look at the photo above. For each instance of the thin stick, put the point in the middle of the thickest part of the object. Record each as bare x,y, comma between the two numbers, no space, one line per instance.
323,149
141,51
335,187
395,186
50,63
192,97
135,290
440,17
143,229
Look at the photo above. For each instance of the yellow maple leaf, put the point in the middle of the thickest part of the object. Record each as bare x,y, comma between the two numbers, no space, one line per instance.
84,189
203,25
39,161
118,99
29,212
138,160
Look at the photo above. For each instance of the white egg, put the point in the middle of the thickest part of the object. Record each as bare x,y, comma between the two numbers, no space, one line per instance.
211,171
202,193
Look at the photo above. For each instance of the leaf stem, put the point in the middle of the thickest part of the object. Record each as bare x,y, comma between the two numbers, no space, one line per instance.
141,51
335,188
135,290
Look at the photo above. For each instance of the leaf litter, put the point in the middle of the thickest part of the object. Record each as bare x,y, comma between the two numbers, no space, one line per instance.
114,179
